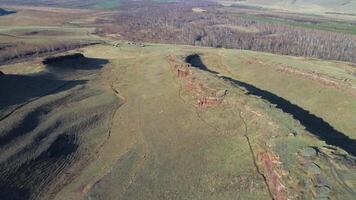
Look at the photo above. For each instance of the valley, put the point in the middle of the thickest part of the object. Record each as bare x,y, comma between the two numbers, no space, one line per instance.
162,100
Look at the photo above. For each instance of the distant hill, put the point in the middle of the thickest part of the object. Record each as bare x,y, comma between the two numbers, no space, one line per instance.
310,6
104,4
337,6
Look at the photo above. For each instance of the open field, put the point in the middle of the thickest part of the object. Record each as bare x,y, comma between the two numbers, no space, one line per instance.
324,24
28,41
100,4
86,113
162,144
36,31
345,7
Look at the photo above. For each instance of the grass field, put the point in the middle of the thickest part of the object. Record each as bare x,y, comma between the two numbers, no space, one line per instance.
39,30
159,159
324,25
162,146
245,64
301,6
107,4
126,120
28,41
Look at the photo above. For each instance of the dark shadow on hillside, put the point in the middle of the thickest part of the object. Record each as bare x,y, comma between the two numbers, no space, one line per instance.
6,12
196,61
14,193
59,151
75,61
18,89
23,181
63,146
314,124
64,73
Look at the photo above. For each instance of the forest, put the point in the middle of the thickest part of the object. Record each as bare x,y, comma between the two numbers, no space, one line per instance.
180,23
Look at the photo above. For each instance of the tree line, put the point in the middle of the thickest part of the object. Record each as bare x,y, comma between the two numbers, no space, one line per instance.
176,23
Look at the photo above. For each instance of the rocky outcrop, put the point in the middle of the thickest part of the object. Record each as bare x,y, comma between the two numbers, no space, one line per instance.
268,164
206,96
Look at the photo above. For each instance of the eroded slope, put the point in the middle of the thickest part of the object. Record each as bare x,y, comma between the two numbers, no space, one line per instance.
52,125
204,130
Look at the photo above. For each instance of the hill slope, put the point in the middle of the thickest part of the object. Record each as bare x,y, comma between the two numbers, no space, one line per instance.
340,6
101,4
137,123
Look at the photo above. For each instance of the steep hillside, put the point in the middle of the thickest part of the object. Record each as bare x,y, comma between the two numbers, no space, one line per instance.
52,124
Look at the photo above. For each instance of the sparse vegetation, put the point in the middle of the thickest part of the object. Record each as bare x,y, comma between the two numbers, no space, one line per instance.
133,118
323,24
23,43
177,23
